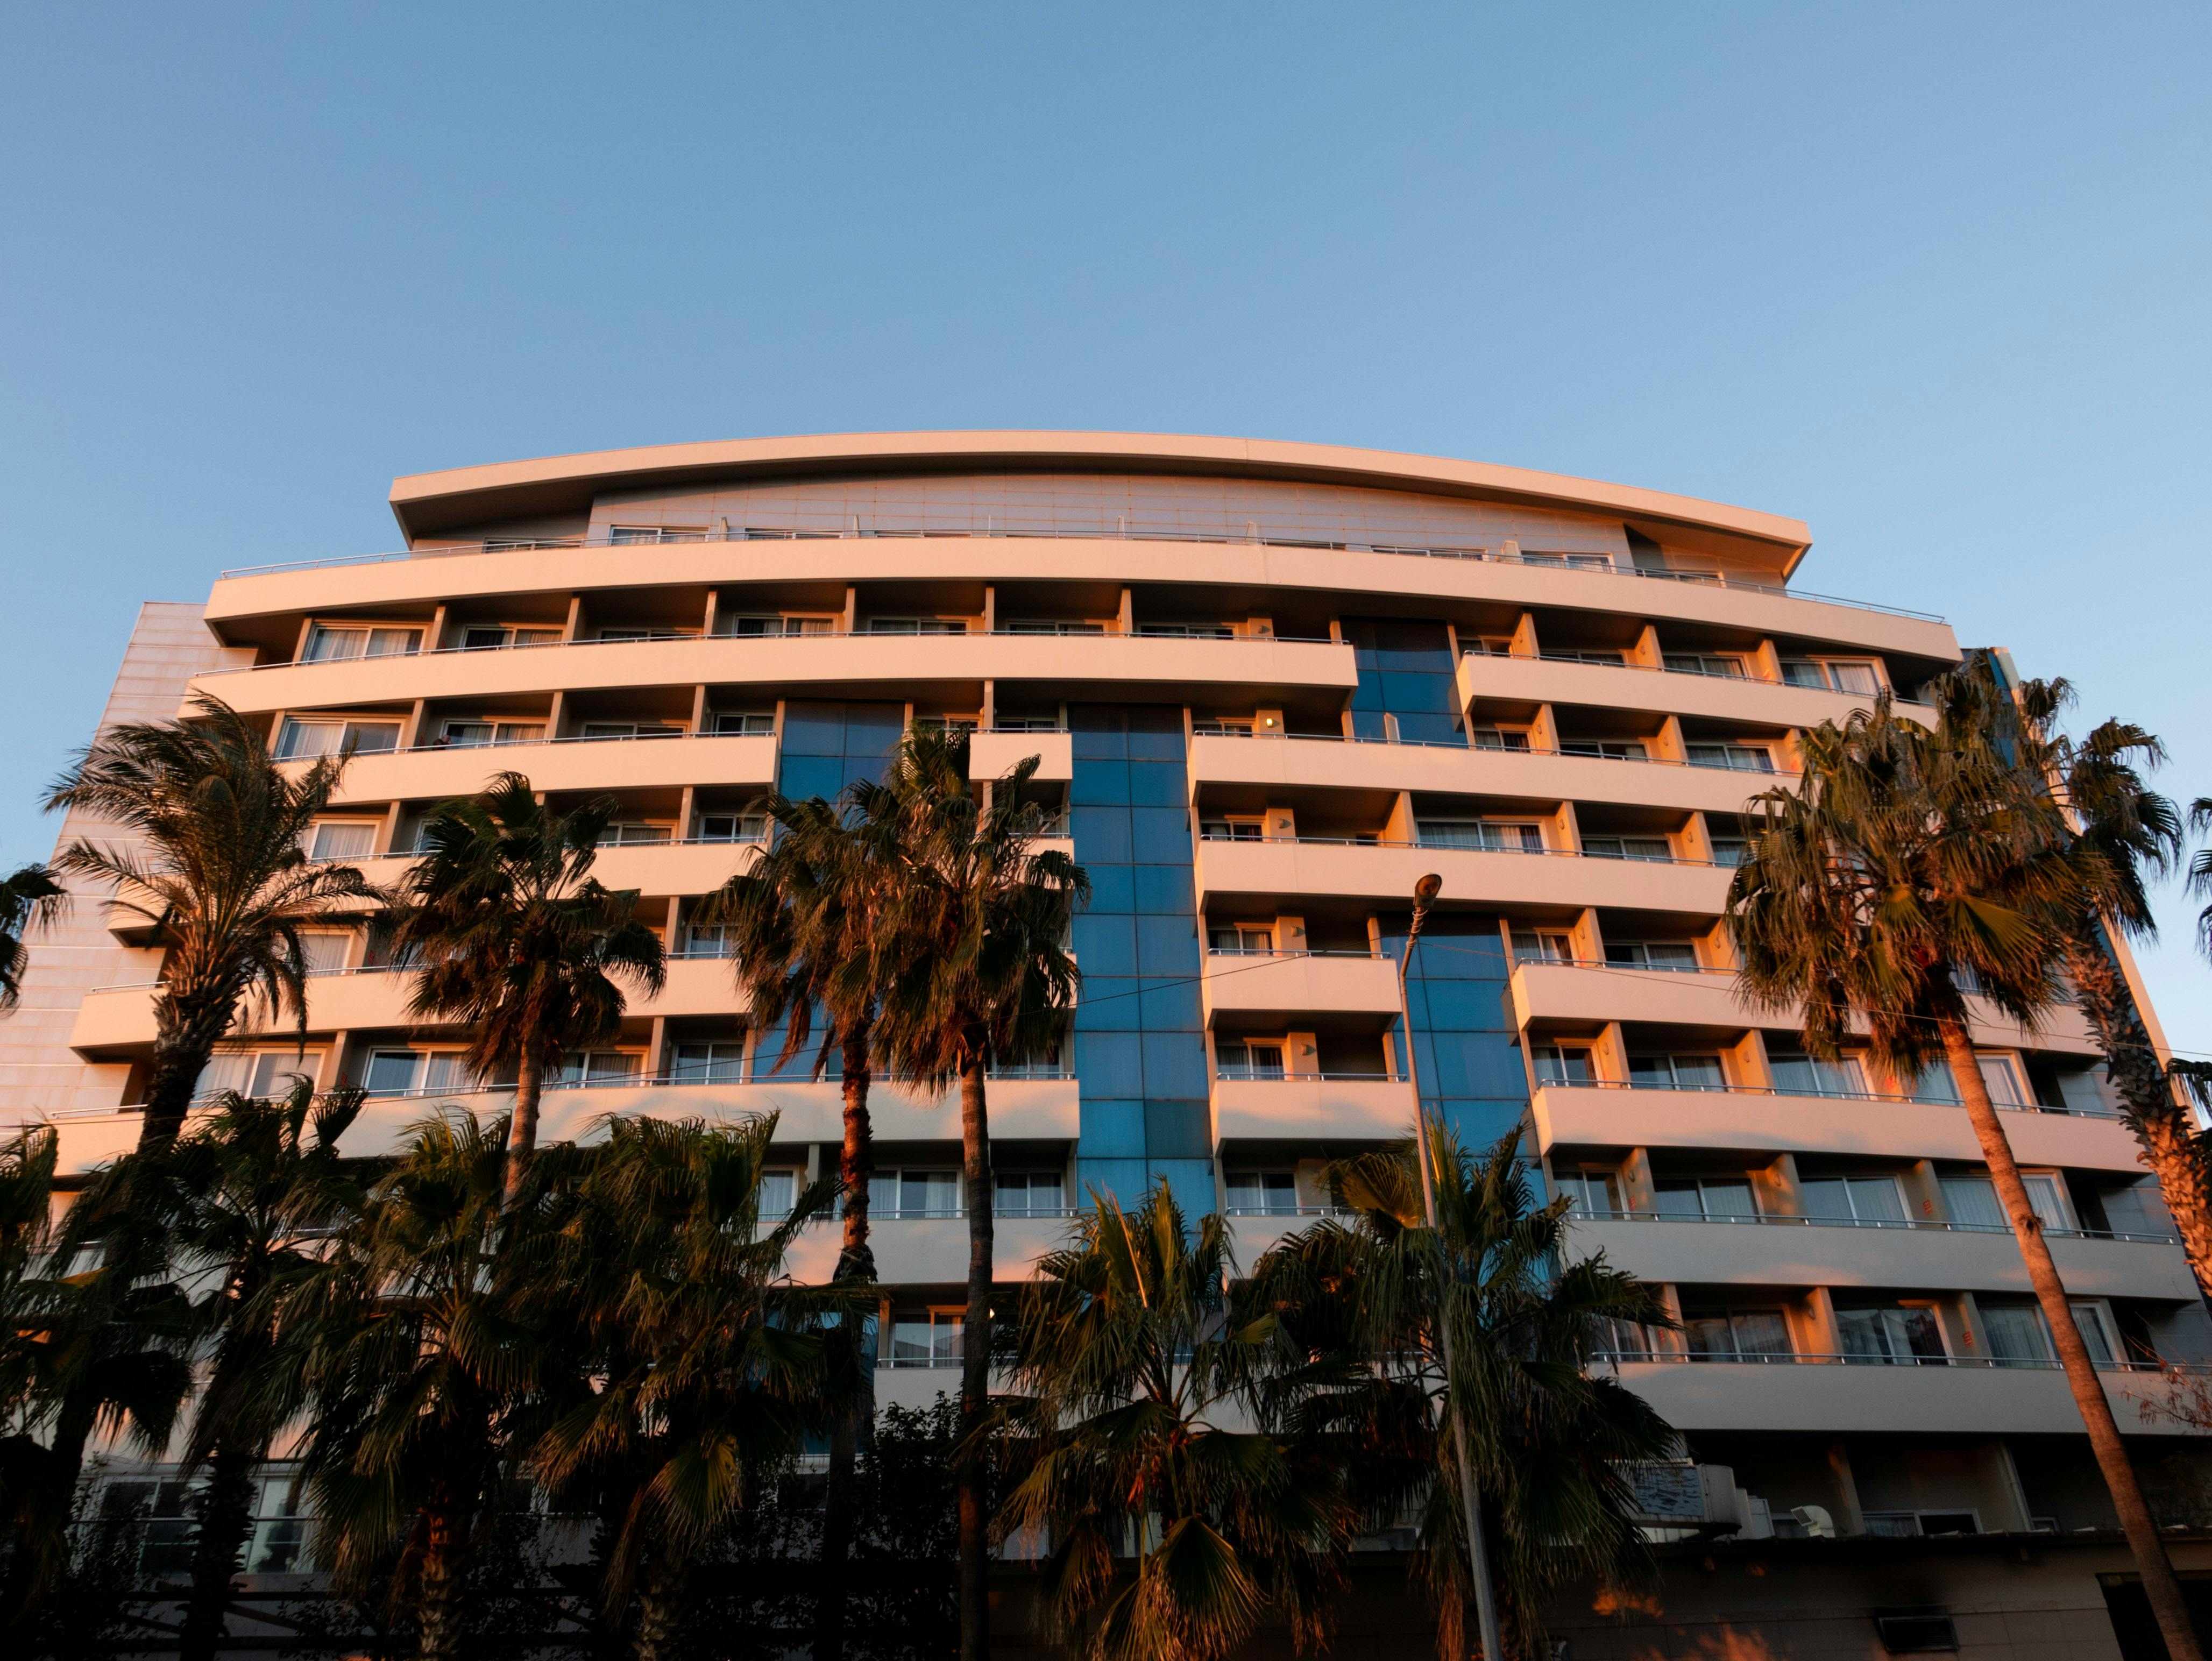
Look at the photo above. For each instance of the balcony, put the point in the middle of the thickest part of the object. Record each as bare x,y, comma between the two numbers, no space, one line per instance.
841,665
1580,994
1788,1250
1824,1394
1596,1115
431,773
1655,692
1384,873
1271,987
1329,763
1320,1109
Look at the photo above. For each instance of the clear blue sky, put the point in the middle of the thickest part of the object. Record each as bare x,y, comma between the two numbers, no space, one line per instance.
1932,278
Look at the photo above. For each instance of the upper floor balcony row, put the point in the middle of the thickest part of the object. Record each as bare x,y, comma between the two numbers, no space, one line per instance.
1304,574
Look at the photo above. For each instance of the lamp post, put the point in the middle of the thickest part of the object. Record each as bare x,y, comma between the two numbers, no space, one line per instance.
1478,1551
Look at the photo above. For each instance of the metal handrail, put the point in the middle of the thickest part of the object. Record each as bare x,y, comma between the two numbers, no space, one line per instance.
1669,668
1820,1095
1836,1358
1271,951
1589,560
1498,749
1770,1220
1447,848
1248,1076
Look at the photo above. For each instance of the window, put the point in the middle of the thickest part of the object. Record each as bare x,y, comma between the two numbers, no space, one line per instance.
263,1073
1490,645
1543,945
1499,738
915,1193
928,1339
1972,1201
1564,1063
1241,1058
1728,850
299,739
329,645
2016,1333
720,1061
2002,1080
1595,1193
1904,1335
342,839
1571,562
656,533
1706,663
483,637
625,831
1736,758
326,953
1027,722
1587,655
589,1067
777,1190
417,1072
2096,1334
469,733
1691,1072
1628,847
1679,956
1800,1074
2047,1194
1262,1193
1935,1084
749,723
1853,678
1510,836
633,730
1189,631
1042,626
1717,1199
1248,939
165,1510
1222,726
733,827
1736,1334
1031,1194
710,940
748,624
1868,1202
1621,1340
1611,750
1232,830
917,626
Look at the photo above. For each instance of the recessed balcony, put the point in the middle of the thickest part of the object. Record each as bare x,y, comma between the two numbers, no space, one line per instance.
1271,987
1313,1109
433,772
1759,1121
1384,873
1656,692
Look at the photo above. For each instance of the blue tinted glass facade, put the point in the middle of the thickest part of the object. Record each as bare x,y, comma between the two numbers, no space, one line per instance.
1139,1037
1406,669
827,746
1471,1072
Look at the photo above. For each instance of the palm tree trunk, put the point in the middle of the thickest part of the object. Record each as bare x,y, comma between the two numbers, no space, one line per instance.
2161,1125
2158,1579
188,1024
975,1364
661,1607
226,1517
522,1129
438,1586
856,1264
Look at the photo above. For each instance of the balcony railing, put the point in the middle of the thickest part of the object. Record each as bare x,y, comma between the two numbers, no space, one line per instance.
1594,563
1492,749
1821,1094
1379,841
1608,661
1770,1220
1276,1075
1823,1358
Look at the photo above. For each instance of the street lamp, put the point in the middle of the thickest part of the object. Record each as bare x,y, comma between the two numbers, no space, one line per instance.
1478,1551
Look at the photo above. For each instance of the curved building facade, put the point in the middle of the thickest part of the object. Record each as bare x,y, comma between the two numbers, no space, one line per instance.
1270,685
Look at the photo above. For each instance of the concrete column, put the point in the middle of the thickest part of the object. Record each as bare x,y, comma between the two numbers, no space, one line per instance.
573,629
1850,1518
1646,652
1670,745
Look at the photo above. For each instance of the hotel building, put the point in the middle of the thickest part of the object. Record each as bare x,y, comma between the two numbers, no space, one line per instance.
1270,685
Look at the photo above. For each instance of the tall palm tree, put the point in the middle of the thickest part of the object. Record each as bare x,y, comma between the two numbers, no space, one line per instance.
1363,1299
258,1187
708,1364
2122,832
804,925
1142,1369
519,941
28,899
31,1528
419,1352
1907,855
221,874
973,938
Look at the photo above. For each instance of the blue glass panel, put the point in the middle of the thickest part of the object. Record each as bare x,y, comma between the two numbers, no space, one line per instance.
1115,887
1367,723
1110,1064
1177,1130
813,729
1158,785
1102,835
1175,1065
802,776
1121,1179
1172,1008
1162,835
1163,888
1479,1124
1109,1003
1114,1131
1429,730
1105,944
1164,744
1167,945
1100,784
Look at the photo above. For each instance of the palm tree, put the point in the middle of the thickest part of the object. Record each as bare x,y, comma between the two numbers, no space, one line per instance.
221,874
972,937
2122,832
28,900
419,1351
34,1536
708,1366
1363,1299
258,1189
1141,1368
804,925
1908,855
519,941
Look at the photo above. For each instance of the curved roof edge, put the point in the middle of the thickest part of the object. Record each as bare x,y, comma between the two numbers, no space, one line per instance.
426,503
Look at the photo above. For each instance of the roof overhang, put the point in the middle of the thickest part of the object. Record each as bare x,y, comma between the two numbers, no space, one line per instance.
428,504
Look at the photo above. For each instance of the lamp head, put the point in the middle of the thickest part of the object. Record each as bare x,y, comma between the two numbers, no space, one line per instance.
1425,892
